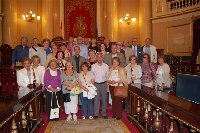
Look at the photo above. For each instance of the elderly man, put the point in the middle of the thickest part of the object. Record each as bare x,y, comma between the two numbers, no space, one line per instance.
100,71
127,50
119,48
84,48
150,50
137,50
20,52
114,53
77,59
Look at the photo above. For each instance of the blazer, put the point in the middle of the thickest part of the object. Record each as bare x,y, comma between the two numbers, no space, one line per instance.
108,59
81,60
153,55
139,54
128,53
23,80
19,53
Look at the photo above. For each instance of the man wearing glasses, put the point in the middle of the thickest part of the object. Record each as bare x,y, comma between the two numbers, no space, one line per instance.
137,50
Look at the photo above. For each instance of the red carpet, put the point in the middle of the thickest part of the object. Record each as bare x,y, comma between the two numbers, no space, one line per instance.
130,126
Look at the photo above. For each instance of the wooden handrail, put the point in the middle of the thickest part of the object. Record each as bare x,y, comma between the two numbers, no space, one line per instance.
146,102
22,114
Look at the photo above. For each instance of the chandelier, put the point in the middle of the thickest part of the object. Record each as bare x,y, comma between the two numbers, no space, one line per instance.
127,19
30,17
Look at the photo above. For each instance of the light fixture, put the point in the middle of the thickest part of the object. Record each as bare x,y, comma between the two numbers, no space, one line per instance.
127,19
30,17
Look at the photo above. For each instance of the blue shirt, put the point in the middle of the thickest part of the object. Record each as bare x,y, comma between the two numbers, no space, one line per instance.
19,53
148,51
48,51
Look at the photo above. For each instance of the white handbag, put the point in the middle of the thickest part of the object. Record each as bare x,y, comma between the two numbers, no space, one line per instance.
54,113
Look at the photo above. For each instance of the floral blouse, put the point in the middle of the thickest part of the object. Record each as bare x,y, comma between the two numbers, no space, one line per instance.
148,72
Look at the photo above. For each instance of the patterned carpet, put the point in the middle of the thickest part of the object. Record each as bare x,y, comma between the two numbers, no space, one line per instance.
87,126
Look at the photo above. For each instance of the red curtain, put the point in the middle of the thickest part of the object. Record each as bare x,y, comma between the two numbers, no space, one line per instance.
80,18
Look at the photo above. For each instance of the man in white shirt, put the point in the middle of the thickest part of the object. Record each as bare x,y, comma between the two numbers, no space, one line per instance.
100,71
151,50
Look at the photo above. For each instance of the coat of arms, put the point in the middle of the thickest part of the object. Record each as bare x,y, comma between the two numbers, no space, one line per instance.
80,27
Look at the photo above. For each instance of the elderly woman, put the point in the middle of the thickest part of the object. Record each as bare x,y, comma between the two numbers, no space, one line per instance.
134,72
148,72
60,59
52,82
38,69
44,51
163,74
52,55
86,79
26,79
116,77
69,81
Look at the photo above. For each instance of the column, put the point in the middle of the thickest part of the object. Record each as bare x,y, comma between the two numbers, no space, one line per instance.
56,18
112,20
9,22
47,19
99,12
62,17
145,20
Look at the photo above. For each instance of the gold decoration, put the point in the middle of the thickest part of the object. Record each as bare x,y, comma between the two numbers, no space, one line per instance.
146,114
157,121
71,5
24,121
80,27
30,111
192,130
171,128
14,127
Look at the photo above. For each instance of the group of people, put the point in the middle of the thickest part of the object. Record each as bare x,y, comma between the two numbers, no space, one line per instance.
82,71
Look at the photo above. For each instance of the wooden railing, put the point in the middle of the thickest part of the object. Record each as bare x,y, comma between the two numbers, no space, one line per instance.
20,115
180,4
156,111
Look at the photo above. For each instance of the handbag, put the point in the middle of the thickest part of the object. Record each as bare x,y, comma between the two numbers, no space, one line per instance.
120,91
54,113
66,97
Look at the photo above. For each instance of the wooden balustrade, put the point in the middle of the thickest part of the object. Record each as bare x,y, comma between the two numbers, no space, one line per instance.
180,4
20,115
156,111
